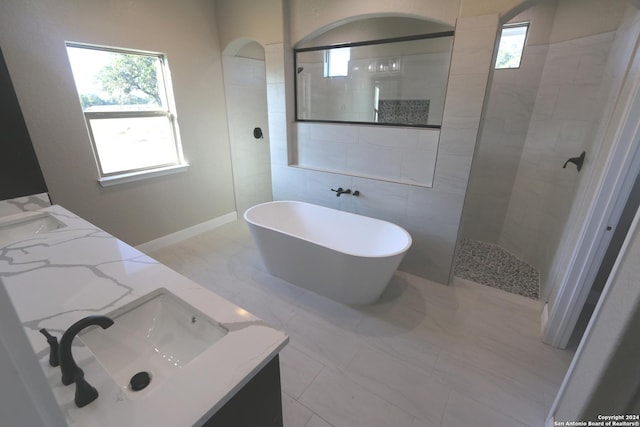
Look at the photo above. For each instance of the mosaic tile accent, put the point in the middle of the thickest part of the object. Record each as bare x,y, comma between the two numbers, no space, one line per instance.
491,265
410,111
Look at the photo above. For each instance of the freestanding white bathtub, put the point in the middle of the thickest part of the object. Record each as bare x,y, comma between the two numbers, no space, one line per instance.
346,257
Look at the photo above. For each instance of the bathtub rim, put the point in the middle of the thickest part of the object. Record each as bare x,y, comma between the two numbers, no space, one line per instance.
386,255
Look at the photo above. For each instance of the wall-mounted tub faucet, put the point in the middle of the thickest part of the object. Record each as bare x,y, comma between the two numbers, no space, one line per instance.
71,373
340,191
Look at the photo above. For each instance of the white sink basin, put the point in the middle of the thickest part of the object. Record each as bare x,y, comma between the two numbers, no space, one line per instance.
14,228
158,334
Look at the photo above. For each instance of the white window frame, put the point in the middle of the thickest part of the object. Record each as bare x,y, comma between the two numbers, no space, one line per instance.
164,82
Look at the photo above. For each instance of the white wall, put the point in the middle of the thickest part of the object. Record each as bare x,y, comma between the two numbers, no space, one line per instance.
246,94
241,20
614,324
309,19
33,35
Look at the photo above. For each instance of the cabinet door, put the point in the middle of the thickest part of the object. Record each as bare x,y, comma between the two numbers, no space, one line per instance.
257,404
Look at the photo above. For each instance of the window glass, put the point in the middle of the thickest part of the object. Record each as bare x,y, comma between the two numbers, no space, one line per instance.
133,143
511,45
125,99
337,62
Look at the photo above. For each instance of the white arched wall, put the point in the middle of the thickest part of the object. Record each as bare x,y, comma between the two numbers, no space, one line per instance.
246,97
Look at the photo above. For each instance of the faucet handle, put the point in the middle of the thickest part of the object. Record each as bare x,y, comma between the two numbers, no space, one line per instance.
54,355
85,392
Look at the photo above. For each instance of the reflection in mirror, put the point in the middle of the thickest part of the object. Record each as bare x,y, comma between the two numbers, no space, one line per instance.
400,81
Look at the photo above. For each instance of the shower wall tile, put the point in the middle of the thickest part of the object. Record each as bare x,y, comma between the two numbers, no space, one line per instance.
278,138
458,141
318,190
474,32
611,92
566,115
425,206
377,161
381,199
419,166
498,155
288,182
452,173
328,155
463,92
397,138
390,153
471,57
276,97
328,132
274,59
246,97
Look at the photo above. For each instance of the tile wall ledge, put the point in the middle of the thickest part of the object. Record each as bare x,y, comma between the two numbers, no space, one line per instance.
357,175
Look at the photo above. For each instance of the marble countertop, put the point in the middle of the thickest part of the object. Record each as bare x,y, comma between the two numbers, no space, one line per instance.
57,277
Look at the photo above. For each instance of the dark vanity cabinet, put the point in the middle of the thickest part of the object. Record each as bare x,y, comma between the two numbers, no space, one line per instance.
258,403
20,173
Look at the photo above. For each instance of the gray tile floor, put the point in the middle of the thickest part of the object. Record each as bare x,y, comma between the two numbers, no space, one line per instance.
491,265
425,355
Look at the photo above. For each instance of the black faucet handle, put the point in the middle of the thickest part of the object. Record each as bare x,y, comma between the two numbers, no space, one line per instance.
85,392
54,355
578,161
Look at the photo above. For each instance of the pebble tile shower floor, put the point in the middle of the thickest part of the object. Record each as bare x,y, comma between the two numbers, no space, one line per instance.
491,265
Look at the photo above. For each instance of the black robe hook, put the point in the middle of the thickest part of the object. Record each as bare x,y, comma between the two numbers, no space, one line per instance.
578,161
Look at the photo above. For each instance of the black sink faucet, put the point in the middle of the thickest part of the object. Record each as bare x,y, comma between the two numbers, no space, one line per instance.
71,373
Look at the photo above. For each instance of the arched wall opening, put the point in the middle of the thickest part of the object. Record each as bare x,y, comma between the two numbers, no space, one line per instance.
245,86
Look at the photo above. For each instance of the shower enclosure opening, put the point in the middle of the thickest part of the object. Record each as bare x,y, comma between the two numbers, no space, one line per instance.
537,116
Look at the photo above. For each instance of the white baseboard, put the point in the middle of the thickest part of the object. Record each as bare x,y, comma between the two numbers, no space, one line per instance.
178,236
544,318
